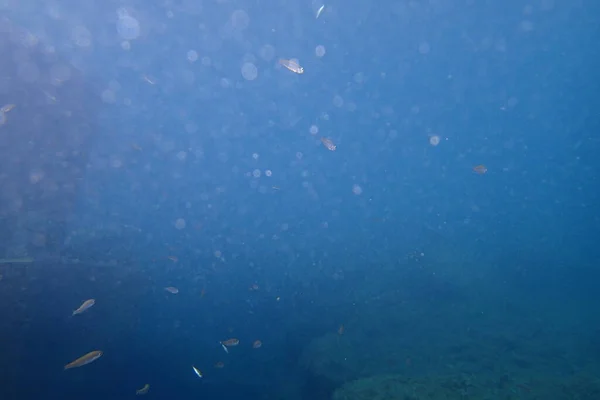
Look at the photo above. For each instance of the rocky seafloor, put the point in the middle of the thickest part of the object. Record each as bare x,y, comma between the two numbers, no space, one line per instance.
478,340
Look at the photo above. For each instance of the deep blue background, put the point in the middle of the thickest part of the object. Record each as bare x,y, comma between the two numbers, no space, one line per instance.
511,85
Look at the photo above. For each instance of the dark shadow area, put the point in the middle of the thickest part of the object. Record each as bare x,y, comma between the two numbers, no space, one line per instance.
317,388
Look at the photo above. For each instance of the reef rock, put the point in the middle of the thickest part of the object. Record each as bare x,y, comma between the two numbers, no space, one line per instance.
466,386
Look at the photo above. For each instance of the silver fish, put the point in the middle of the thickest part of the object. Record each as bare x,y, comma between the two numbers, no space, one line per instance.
292,66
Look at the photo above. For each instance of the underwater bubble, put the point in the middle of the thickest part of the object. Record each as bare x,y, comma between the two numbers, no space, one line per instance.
128,27
108,96
82,36
267,52
240,19
338,101
192,55
249,71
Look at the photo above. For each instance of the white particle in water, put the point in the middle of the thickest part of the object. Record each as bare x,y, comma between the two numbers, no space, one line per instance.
267,52
108,96
320,51
240,19
249,71
338,101
180,223
82,36
192,56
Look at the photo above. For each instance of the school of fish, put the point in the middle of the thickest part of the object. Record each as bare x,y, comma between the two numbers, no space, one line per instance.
292,65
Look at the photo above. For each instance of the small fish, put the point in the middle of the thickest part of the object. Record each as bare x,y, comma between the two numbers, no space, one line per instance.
257,344
51,99
224,348
230,342
480,169
329,145
341,330
143,390
148,79
292,65
219,364
197,371
173,258
172,290
84,360
7,108
3,112
84,306
320,10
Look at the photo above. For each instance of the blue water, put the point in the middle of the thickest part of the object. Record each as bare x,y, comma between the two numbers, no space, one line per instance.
446,249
